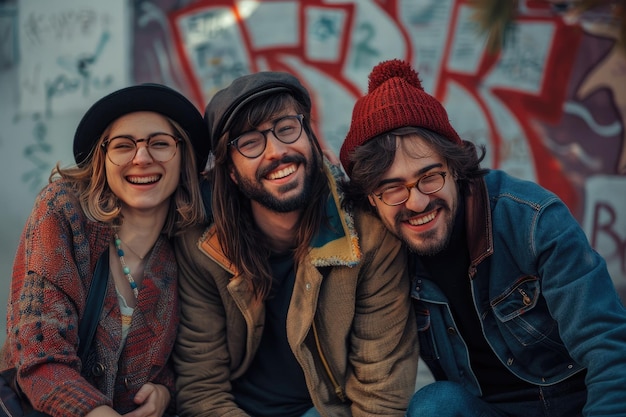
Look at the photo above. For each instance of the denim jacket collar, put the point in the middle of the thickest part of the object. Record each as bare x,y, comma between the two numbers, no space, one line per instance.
478,223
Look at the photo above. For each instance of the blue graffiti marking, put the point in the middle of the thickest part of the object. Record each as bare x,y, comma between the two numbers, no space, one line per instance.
82,67
36,177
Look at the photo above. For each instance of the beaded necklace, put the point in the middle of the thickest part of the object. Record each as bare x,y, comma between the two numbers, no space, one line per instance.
125,268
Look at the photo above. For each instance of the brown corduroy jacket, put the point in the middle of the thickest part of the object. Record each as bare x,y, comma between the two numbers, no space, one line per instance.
358,305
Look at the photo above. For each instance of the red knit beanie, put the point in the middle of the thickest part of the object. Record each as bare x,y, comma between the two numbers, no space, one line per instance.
395,99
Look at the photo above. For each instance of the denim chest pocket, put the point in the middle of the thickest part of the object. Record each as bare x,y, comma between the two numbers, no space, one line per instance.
524,313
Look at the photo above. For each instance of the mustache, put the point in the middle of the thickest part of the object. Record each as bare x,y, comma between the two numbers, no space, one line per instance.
264,170
404,215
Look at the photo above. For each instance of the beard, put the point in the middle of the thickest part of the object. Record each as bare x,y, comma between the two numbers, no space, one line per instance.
431,242
254,190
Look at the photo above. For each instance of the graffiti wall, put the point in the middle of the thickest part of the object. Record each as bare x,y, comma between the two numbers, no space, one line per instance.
550,106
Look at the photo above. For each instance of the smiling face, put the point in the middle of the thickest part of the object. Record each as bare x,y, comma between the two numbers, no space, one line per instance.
280,179
143,184
424,222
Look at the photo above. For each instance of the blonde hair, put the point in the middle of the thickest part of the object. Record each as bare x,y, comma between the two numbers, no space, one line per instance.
100,204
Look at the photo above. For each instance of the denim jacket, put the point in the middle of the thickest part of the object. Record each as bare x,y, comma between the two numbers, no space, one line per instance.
547,305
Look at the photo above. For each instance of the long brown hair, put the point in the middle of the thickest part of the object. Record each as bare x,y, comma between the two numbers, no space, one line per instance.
101,205
241,239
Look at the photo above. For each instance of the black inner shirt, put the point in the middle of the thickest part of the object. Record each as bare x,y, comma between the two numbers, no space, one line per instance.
274,385
449,270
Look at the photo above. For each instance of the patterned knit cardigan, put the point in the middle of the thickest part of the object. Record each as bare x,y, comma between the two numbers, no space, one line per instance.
53,269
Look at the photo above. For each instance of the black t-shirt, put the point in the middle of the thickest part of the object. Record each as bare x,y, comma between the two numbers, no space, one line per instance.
274,385
449,270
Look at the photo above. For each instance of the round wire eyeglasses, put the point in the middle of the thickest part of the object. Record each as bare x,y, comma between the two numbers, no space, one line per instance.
121,150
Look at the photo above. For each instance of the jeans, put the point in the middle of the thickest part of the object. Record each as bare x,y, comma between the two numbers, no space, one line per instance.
311,413
449,399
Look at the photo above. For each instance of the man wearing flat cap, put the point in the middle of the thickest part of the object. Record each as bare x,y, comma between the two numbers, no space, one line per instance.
291,306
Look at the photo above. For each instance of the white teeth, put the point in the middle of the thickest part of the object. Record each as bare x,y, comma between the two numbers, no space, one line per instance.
143,180
422,220
282,173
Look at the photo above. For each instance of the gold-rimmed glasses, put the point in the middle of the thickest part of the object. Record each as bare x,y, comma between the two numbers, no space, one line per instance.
399,194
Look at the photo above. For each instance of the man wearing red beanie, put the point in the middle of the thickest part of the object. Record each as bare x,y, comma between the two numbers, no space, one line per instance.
517,314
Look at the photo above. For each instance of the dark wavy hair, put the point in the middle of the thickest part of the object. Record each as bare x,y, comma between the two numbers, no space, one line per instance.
372,159
241,240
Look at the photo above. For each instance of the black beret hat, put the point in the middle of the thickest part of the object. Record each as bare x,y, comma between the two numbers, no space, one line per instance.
143,97
226,103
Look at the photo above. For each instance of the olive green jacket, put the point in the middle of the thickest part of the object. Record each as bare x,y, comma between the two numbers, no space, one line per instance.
351,290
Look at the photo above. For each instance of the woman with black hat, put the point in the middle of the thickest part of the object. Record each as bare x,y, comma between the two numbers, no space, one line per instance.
138,153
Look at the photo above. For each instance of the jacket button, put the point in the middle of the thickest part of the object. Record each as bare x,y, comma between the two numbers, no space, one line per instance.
97,369
451,330
308,286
